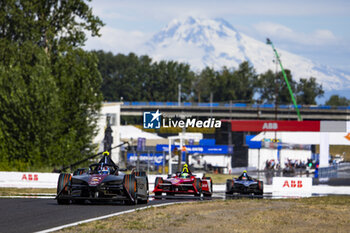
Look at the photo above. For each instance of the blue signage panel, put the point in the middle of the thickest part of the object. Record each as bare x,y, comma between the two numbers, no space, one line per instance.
153,158
204,149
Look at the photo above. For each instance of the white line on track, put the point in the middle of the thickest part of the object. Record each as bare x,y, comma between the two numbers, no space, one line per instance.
36,197
108,216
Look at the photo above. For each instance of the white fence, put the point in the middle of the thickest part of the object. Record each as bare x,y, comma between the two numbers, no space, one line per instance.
28,180
43,180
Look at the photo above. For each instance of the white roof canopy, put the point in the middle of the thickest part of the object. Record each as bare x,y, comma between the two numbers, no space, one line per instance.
308,138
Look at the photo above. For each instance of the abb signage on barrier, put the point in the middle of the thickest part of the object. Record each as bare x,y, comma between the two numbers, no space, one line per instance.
30,177
291,186
259,126
28,180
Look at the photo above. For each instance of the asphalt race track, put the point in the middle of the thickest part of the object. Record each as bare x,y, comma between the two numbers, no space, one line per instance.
31,214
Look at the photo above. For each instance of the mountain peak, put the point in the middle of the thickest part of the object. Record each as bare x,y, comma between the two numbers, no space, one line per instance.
216,43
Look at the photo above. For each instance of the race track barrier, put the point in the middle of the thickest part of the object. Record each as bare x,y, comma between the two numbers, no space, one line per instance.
292,186
28,180
45,180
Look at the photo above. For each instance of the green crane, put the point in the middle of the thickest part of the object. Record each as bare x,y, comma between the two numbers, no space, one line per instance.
268,41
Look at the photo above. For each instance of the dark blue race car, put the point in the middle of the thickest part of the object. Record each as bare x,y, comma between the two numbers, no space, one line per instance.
244,184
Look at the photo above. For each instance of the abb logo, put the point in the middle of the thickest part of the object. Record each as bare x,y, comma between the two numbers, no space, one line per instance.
205,185
270,125
30,177
293,184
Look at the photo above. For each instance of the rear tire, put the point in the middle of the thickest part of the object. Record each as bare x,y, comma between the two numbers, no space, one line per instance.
159,194
130,185
63,188
140,173
211,187
78,201
79,171
198,185
261,188
158,180
145,201
229,186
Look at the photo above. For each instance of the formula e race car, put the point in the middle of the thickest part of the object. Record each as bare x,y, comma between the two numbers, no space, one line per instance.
183,183
102,182
244,185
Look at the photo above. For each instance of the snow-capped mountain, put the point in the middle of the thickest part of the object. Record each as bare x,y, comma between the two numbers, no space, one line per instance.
215,43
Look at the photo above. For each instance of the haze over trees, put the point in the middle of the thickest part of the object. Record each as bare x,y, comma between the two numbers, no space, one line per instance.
49,87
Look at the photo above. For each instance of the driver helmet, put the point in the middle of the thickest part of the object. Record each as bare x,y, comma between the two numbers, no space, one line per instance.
105,170
184,175
185,169
244,175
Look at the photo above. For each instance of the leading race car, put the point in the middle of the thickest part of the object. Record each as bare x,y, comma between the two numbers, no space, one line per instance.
183,183
103,181
244,184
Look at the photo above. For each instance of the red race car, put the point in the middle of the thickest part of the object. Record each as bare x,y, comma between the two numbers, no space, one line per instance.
183,183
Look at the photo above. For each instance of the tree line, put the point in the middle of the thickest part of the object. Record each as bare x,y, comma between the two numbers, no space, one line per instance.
138,78
49,87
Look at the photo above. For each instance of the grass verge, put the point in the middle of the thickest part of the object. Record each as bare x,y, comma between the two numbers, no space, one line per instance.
316,214
24,191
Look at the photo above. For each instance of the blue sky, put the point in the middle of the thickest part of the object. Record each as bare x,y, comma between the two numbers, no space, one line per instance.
316,29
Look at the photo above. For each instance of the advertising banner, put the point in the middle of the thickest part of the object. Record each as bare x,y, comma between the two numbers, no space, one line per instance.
259,126
292,186
216,149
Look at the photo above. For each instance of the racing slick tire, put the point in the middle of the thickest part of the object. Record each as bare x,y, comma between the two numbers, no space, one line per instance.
229,186
79,171
158,180
260,190
78,201
130,185
145,201
211,187
63,186
140,174
198,185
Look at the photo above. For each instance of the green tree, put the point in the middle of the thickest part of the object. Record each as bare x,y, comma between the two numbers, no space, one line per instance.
308,90
224,86
270,83
136,78
245,79
49,87
202,85
28,102
336,100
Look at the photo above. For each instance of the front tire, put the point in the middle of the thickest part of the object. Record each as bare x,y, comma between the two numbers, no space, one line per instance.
130,185
63,188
